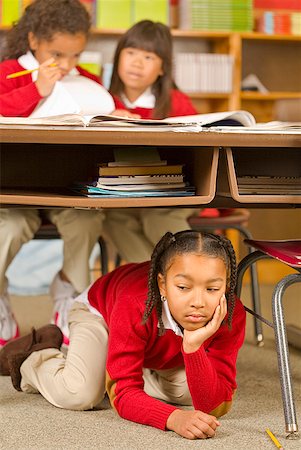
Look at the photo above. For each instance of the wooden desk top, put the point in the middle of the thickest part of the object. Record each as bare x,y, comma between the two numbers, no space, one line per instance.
78,135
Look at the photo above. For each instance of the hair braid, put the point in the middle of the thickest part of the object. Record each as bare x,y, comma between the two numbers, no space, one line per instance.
153,297
232,277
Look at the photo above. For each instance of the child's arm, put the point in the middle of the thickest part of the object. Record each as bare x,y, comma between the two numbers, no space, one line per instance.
211,370
18,96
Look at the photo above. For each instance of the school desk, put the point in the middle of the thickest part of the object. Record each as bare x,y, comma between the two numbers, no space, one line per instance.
39,164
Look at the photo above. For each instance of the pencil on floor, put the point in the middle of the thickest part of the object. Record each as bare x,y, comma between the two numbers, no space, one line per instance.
274,439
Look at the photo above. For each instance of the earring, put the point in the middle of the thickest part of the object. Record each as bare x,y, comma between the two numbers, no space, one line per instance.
163,299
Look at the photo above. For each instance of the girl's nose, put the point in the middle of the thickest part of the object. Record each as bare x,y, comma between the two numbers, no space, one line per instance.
65,64
137,61
198,300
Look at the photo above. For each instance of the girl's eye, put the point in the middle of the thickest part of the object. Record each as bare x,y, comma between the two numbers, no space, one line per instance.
182,288
212,289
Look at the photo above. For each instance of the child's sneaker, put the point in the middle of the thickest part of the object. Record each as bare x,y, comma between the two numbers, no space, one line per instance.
8,326
63,294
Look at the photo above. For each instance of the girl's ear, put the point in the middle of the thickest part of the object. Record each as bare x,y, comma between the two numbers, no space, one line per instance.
32,40
161,284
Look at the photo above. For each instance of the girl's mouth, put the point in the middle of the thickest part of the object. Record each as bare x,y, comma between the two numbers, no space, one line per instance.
195,318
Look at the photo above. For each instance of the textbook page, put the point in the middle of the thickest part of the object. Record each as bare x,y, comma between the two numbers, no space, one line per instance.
243,118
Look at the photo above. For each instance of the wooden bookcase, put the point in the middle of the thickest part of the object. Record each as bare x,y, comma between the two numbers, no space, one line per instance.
275,59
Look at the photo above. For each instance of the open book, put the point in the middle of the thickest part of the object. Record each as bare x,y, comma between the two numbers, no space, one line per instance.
242,118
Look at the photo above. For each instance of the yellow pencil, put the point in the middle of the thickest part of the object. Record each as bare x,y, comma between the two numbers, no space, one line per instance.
274,439
25,72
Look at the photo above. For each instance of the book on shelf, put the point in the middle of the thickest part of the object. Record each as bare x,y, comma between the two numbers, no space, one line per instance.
97,192
137,156
141,179
241,117
169,169
269,185
140,187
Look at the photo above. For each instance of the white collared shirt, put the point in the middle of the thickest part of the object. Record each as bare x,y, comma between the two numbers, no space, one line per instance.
168,321
145,100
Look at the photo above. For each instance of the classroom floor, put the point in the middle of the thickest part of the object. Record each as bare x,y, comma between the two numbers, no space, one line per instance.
29,422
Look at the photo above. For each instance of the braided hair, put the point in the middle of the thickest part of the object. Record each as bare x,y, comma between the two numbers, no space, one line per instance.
188,241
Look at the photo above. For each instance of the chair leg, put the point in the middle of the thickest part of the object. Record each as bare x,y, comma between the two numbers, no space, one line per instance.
283,355
245,263
254,290
104,258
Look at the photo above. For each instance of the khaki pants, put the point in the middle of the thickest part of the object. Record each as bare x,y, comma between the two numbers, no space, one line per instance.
79,230
77,381
135,231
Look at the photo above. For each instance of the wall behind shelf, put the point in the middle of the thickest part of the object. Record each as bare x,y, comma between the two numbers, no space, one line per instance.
277,64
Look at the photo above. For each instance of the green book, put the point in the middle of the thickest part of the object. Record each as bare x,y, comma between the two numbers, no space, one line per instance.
10,12
156,10
91,61
113,14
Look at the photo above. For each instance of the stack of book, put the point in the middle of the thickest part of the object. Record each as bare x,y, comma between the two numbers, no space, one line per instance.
230,15
269,185
137,173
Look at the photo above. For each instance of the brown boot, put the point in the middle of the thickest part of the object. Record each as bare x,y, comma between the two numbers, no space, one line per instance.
14,362
49,336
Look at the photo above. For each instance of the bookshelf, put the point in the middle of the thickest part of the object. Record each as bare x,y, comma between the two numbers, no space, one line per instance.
280,72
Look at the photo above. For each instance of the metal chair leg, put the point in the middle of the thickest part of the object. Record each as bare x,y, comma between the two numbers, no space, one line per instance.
283,355
254,290
244,264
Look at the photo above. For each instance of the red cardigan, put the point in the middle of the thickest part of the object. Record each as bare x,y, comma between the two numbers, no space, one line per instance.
19,96
211,371
180,106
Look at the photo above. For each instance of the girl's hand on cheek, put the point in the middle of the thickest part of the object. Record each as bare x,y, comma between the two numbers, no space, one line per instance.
48,75
194,339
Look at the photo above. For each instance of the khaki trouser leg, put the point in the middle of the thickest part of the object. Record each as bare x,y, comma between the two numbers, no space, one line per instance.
76,381
79,230
17,226
168,385
135,232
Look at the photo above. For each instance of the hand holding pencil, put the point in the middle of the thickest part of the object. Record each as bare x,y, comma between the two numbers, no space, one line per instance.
49,73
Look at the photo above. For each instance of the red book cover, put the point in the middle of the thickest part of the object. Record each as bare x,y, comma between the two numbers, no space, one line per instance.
277,4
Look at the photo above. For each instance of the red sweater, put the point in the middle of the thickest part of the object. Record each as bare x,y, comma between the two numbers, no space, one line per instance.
180,106
211,371
19,96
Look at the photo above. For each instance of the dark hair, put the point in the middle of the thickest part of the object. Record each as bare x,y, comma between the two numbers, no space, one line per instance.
156,38
189,241
44,18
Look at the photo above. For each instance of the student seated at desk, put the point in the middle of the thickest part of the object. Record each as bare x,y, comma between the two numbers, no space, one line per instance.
155,336
50,36
142,84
